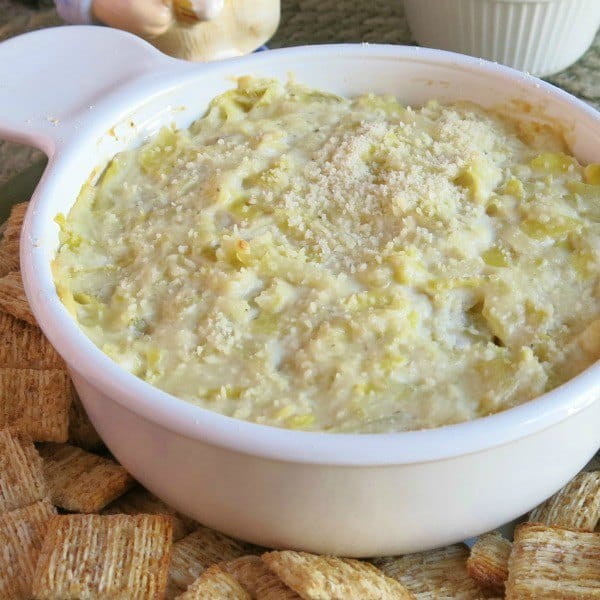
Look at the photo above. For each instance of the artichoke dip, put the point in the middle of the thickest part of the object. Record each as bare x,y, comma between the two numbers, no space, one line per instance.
313,262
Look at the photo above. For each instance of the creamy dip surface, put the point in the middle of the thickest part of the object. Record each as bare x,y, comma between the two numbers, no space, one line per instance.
313,262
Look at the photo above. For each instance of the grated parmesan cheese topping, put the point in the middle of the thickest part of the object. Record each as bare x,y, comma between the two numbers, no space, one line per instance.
308,261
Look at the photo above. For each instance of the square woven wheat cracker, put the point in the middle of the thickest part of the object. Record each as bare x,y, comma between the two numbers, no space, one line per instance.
23,346
81,481
550,562
215,584
440,573
488,562
14,223
258,579
594,464
141,501
316,577
198,551
9,257
36,402
81,430
9,244
117,557
575,506
21,477
22,532
13,299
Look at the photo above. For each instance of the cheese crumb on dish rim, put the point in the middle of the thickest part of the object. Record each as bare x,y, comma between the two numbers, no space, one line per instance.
308,261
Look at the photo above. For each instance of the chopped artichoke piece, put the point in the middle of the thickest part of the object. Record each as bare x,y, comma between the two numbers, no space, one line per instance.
495,257
515,188
481,177
300,421
163,151
556,228
592,174
554,162
387,103
68,237
278,295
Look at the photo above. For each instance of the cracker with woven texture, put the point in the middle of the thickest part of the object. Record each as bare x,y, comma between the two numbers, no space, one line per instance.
488,562
440,573
9,244
81,481
81,430
215,584
575,506
13,299
104,556
36,402
198,551
13,225
9,257
594,464
318,577
23,346
21,477
22,532
551,562
141,501
258,579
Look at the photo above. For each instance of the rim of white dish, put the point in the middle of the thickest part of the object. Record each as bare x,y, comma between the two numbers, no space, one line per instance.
348,449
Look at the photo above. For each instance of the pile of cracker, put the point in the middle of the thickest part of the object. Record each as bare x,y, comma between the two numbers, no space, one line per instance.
74,523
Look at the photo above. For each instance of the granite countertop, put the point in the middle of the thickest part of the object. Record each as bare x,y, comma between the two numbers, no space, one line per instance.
302,22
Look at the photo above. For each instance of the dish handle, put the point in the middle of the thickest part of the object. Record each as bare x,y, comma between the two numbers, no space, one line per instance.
51,79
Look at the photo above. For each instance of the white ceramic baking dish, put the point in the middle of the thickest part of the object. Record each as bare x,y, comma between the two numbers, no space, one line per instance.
83,93
538,36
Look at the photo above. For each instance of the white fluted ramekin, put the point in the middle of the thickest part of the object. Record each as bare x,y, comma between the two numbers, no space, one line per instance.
538,36
84,93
